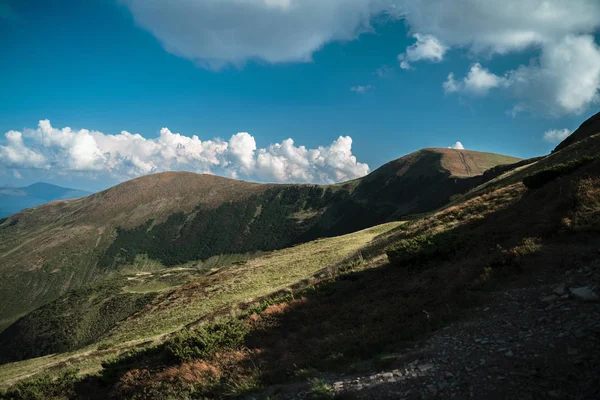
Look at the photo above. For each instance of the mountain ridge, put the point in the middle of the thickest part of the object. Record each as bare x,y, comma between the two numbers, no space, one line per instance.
15,199
175,217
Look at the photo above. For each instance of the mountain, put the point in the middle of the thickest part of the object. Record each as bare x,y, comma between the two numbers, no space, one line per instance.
588,128
180,285
176,217
15,199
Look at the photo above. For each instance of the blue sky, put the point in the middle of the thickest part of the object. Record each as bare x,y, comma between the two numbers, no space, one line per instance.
261,71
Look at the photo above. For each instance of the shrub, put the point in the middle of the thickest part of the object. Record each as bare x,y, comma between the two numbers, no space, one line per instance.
45,387
205,341
541,177
415,251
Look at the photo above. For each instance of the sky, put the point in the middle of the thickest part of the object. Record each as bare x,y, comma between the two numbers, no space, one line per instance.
95,92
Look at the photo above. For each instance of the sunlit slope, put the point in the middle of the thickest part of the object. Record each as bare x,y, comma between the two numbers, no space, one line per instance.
174,297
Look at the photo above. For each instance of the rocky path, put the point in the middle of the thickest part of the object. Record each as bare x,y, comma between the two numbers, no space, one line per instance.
531,343
538,342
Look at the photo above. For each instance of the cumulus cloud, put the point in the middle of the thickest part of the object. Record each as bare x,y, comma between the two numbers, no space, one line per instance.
427,47
215,33
126,155
496,27
564,77
556,135
478,81
360,89
457,146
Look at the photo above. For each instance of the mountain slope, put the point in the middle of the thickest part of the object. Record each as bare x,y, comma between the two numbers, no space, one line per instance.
588,128
15,199
172,218
359,310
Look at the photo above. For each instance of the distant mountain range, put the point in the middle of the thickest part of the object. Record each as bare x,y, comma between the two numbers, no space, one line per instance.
15,199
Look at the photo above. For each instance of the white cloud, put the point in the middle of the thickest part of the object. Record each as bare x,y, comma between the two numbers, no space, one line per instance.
457,146
360,89
215,33
17,174
427,47
501,26
16,153
564,80
556,135
565,76
126,155
478,81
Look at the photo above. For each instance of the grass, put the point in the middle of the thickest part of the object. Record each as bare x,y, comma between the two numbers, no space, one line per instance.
229,286
222,291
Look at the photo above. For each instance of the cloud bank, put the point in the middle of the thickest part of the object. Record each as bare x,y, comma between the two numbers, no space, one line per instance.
126,155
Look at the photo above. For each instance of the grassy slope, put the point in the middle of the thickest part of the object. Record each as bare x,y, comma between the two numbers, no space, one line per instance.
510,236
219,293
178,217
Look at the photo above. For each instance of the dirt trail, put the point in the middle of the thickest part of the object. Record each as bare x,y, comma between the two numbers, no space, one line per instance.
461,156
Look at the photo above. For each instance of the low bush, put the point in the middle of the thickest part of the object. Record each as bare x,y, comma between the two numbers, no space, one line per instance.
44,387
541,177
413,252
205,341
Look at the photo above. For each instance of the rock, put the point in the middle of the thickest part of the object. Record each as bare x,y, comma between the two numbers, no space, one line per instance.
509,353
432,389
388,376
584,293
548,299
560,289
425,367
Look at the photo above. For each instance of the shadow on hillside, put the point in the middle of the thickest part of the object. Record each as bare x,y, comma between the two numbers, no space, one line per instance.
361,315
348,323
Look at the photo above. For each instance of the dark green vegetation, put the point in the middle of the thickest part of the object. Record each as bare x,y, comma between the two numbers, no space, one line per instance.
75,320
15,199
45,387
543,176
205,341
173,218
83,315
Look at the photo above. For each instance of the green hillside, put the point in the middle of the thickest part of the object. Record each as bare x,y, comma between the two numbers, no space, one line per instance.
174,218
